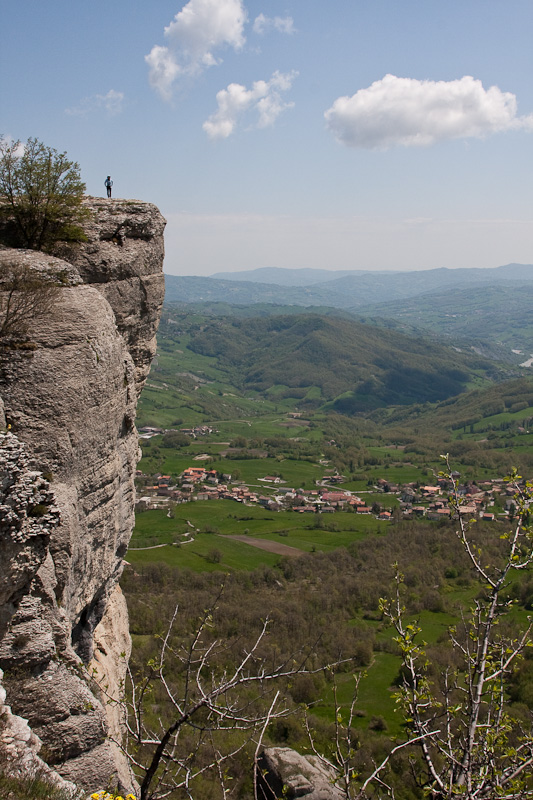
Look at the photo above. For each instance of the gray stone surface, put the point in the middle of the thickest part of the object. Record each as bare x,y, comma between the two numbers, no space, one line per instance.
283,772
123,259
19,748
24,536
72,400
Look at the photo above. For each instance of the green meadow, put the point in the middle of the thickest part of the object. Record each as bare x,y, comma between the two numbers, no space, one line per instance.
210,523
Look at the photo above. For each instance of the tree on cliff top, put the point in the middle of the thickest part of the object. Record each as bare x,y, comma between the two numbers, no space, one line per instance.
41,196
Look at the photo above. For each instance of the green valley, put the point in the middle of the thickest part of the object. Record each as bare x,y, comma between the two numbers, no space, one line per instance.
294,457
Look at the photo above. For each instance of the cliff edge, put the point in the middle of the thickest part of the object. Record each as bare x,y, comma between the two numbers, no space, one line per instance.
69,399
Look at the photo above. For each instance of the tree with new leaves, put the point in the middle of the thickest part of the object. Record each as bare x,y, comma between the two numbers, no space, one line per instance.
350,779
25,296
41,194
472,746
463,738
201,703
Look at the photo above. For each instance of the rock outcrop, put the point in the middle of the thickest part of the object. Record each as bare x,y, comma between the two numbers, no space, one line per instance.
19,748
283,772
70,399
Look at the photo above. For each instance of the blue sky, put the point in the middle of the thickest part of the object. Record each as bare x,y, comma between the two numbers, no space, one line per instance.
353,134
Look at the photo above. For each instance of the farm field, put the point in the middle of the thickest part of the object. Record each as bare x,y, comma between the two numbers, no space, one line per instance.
209,524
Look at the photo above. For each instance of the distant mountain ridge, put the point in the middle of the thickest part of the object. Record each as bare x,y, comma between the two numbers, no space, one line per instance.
347,290
307,276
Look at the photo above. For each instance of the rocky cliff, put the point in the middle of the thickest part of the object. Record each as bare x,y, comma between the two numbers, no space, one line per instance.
69,397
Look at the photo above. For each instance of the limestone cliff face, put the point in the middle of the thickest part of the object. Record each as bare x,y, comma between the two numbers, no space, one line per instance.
123,259
71,401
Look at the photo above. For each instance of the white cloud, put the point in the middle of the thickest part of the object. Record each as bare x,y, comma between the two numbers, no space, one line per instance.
404,111
264,97
264,24
163,70
196,33
111,102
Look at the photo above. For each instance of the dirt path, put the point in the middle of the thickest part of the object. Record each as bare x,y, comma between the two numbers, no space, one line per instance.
153,547
269,546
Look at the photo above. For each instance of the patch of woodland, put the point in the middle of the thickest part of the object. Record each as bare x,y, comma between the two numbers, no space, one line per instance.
358,367
324,609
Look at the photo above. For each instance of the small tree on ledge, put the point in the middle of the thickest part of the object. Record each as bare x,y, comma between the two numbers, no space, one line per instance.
41,196
25,296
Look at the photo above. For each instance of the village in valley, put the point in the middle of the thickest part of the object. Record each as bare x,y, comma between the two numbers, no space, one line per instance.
411,500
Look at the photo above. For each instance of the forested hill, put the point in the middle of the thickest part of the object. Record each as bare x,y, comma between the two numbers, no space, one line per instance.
196,290
350,366
348,290
497,319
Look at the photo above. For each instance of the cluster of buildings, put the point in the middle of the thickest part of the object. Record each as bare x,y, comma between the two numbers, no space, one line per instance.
431,502
413,501
202,483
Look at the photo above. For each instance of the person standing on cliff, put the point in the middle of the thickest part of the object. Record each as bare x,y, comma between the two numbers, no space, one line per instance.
108,183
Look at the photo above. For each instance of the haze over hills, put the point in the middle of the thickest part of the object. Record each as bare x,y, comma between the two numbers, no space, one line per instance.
195,290
346,290
496,320
307,276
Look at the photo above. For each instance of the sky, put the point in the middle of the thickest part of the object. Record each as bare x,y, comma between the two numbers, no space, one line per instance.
352,134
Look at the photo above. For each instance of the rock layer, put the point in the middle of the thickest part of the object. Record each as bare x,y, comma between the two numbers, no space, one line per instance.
123,259
71,400
19,749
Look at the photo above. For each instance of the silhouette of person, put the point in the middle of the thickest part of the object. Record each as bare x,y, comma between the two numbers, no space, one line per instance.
108,183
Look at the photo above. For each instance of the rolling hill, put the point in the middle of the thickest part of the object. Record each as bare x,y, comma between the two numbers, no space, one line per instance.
194,290
347,290
496,320
326,361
